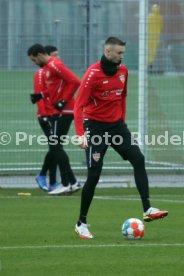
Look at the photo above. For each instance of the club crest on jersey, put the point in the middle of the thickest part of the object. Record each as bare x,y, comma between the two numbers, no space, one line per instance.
96,156
47,74
122,78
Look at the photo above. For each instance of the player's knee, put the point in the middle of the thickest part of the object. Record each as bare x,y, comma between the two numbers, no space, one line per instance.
138,160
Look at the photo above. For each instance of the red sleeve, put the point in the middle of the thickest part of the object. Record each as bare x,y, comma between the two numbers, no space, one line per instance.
124,99
38,84
124,108
82,99
39,81
71,80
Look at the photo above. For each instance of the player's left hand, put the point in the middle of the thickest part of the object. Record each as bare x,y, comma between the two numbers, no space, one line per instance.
36,97
60,105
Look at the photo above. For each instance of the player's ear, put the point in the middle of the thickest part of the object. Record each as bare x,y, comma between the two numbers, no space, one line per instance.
107,52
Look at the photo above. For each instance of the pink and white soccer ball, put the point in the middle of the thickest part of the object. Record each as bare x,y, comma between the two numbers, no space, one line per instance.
133,229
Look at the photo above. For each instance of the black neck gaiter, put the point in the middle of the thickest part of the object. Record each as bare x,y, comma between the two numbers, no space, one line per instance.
110,68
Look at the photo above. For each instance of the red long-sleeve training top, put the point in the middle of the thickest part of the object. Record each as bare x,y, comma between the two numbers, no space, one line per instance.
44,106
101,97
61,83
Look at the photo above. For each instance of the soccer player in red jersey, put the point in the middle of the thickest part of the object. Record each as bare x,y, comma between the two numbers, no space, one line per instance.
99,117
55,86
44,111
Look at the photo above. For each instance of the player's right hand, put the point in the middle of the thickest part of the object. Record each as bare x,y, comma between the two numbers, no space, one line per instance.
60,105
43,119
83,143
36,97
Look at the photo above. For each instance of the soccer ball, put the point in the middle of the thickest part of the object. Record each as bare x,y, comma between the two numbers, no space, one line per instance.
133,229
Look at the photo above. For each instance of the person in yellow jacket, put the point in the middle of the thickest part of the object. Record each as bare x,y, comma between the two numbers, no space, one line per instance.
155,27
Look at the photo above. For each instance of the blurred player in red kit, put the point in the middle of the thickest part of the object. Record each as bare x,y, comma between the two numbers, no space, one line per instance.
54,86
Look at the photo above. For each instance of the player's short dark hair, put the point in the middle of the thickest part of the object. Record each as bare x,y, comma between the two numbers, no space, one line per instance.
49,49
36,49
114,41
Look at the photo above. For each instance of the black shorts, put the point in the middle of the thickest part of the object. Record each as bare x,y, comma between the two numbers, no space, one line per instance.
102,135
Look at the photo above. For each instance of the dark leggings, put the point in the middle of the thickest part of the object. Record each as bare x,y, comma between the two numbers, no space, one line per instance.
136,158
56,156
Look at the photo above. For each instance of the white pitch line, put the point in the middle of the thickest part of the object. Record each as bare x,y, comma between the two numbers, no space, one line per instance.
132,244
96,197
137,199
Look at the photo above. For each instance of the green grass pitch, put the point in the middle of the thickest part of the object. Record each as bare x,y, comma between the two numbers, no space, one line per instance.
37,235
